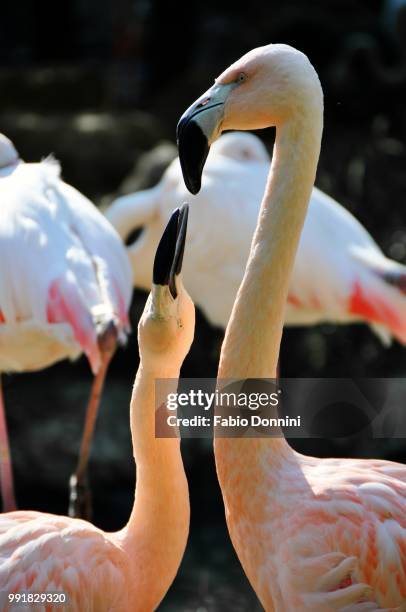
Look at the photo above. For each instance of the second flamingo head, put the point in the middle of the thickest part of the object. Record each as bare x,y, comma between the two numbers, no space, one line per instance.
166,328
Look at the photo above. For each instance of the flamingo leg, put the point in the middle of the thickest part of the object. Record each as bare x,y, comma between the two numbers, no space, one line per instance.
80,497
6,473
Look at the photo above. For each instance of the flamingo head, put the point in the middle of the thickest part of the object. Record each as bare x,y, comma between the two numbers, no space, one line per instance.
264,88
8,153
166,328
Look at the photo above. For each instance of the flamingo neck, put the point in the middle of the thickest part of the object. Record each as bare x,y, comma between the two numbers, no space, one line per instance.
132,212
252,340
141,254
156,533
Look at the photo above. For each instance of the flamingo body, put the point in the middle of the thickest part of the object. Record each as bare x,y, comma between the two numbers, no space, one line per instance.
339,272
63,270
334,524
44,553
314,535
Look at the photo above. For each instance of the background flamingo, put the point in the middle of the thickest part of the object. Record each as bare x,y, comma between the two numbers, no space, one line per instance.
340,274
132,568
64,289
311,534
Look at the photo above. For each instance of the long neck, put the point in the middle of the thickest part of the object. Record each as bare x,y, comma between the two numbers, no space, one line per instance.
156,533
132,212
252,340
142,252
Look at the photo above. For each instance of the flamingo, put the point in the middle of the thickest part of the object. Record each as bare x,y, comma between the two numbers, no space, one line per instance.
312,534
65,287
133,568
340,274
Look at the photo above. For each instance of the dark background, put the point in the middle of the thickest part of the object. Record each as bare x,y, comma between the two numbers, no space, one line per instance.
99,84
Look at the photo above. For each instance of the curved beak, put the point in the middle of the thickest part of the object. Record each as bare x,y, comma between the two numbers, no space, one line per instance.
198,127
169,254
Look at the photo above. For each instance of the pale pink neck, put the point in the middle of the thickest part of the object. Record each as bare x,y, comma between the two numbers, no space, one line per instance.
252,340
159,521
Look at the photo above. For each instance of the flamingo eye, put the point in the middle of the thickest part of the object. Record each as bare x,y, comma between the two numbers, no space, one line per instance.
242,77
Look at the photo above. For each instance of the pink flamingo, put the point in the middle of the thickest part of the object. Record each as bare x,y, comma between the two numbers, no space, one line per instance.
133,568
312,534
340,274
65,286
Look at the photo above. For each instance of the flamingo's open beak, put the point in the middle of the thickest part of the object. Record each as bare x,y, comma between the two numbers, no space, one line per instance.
169,254
198,127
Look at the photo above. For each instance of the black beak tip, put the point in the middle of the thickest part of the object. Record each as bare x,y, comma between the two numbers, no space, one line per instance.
169,254
193,184
165,252
193,150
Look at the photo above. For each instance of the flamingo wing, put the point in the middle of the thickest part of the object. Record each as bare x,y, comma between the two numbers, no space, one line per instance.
63,271
341,275
103,245
328,583
44,553
347,546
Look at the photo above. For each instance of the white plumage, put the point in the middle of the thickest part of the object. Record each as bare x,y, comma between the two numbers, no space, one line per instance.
340,273
54,243
65,284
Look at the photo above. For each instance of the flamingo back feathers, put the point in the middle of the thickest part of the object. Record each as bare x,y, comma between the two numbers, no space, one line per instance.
53,239
347,544
363,502
48,553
